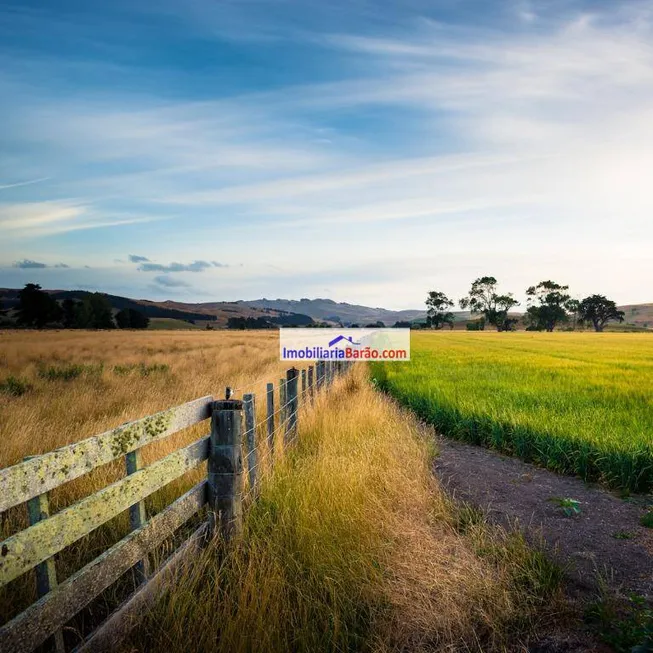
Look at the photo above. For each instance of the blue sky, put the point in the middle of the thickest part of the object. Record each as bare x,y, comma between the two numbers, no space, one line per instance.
365,150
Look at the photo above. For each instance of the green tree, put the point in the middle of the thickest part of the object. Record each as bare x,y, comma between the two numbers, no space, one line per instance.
599,310
547,305
484,300
130,318
437,310
37,308
69,317
94,312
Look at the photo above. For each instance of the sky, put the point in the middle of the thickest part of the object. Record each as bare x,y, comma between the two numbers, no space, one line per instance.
363,150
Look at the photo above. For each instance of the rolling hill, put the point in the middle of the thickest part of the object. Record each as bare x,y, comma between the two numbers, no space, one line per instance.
329,311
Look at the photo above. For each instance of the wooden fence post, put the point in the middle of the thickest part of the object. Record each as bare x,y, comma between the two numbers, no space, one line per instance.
270,418
291,394
38,509
311,388
137,514
303,383
225,468
250,439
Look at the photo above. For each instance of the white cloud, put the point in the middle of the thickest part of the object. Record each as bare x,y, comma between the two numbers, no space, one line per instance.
538,140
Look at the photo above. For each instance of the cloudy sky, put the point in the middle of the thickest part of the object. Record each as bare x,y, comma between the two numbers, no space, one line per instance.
364,150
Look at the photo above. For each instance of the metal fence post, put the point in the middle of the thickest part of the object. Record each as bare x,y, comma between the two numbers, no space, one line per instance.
270,418
225,468
38,509
311,387
137,515
291,393
250,440
283,407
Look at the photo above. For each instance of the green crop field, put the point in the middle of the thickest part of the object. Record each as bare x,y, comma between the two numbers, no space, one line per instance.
577,403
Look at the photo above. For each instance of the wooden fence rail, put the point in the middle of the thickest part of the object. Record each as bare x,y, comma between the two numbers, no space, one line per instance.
221,493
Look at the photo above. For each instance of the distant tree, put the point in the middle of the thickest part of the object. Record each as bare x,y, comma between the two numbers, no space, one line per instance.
123,320
599,310
130,318
402,325
375,325
37,308
484,300
437,313
547,305
249,323
68,307
94,312
354,326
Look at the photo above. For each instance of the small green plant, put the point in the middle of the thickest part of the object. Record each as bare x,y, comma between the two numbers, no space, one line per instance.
123,370
646,519
143,368
14,387
569,506
623,535
69,372
627,628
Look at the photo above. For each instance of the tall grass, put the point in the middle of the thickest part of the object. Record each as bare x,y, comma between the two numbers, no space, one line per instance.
353,547
575,403
60,387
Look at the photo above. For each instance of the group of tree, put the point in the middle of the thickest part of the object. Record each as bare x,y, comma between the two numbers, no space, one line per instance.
37,308
249,323
549,305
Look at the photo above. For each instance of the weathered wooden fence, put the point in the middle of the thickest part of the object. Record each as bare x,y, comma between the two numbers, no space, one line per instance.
229,444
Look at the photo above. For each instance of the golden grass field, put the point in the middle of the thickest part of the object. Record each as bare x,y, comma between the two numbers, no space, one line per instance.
352,544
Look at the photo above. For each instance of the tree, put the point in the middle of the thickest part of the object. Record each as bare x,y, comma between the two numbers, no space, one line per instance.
547,305
94,312
130,318
483,299
437,313
37,308
599,310
69,313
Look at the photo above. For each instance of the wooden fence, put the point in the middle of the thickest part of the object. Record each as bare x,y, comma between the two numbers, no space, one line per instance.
229,444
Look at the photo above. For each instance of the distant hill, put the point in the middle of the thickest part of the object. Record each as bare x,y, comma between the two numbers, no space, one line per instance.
287,312
640,315
215,313
330,311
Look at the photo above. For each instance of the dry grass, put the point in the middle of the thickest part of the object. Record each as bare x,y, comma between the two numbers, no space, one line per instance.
352,545
120,376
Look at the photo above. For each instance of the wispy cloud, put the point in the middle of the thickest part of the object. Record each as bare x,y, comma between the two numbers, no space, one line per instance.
532,131
29,264
24,183
195,266
170,282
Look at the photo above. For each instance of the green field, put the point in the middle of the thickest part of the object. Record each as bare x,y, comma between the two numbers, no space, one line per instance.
577,403
170,324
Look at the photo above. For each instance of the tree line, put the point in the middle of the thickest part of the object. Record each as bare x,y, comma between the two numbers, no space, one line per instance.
549,304
37,308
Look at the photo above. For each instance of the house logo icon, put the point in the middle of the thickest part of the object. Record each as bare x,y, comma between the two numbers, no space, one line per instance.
340,338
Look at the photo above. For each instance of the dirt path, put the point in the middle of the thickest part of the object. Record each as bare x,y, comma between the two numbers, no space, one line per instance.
605,536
